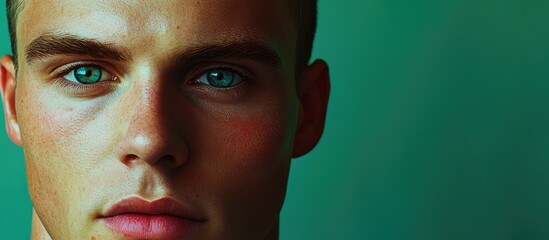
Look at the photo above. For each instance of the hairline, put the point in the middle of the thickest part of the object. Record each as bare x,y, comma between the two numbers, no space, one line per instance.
304,22
13,11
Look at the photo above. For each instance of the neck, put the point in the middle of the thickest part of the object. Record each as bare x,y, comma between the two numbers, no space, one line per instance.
38,232
273,234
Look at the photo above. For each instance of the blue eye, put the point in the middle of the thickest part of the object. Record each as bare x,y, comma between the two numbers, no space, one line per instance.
220,78
87,75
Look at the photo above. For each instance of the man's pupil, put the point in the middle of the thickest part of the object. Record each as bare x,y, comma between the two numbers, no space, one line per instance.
218,75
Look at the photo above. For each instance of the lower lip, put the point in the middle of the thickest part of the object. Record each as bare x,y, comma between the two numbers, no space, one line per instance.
150,226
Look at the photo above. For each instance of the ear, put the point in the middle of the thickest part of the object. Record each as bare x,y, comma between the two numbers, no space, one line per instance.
7,88
313,91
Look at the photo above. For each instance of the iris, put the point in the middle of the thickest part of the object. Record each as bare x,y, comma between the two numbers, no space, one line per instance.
220,78
88,74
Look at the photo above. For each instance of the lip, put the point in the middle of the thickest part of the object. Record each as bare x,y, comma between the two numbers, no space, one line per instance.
160,219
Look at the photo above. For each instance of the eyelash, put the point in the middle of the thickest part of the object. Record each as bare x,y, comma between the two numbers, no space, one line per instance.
196,72
66,69
80,89
203,68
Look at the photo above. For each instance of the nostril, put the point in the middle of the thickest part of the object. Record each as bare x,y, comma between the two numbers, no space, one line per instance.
166,160
130,158
170,159
167,157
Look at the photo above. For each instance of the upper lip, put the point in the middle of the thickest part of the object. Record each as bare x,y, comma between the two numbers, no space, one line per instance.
163,206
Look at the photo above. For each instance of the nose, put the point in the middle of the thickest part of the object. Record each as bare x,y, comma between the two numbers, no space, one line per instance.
151,130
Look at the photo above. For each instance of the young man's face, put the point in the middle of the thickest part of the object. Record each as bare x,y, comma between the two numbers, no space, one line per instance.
189,109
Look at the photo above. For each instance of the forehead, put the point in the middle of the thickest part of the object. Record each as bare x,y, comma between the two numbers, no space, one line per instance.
155,26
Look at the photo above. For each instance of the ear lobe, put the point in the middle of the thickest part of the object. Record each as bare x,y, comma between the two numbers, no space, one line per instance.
314,90
7,88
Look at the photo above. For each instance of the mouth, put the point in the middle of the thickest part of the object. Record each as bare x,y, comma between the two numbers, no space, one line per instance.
159,219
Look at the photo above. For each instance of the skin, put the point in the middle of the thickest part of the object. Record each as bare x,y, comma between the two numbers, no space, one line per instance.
223,153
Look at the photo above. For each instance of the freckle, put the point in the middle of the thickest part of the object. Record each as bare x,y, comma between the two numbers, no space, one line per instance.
177,26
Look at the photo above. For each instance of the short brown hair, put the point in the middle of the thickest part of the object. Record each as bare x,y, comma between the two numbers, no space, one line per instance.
304,14
12,10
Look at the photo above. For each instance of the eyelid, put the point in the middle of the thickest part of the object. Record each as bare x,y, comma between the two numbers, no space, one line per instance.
191,74
81,90
203,68
67,68
237,78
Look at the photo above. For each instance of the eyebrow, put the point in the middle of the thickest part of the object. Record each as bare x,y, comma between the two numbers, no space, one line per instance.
252,50
58,44
55,44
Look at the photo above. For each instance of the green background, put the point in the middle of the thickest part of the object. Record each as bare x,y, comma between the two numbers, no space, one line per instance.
438,126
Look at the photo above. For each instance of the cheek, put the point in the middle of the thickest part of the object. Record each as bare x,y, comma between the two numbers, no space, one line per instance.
52,133
38,120
253,142
250,138
247,162
57,134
